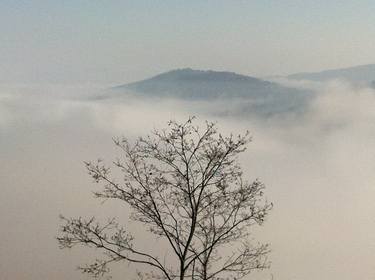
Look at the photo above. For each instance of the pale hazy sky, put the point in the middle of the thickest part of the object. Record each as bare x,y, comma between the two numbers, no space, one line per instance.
99,41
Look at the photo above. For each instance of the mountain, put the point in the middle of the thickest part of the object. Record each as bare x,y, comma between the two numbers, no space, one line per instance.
361,75
248,93
197,84
188,83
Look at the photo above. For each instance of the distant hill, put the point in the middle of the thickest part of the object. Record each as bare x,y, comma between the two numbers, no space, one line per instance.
238,94
197,84
361,75
257,95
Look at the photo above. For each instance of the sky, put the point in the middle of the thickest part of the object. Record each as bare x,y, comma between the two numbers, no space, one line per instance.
113,42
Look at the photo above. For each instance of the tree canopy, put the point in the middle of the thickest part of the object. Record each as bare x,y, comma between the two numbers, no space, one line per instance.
185,185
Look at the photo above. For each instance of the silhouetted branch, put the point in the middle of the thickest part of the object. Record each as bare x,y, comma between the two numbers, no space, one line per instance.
184,185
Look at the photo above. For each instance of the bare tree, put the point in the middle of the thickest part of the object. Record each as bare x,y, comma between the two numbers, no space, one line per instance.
185,185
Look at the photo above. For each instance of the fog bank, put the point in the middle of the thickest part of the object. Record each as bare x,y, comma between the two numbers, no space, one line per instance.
318,167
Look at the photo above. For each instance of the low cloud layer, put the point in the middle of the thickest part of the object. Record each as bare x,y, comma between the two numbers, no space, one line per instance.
318,167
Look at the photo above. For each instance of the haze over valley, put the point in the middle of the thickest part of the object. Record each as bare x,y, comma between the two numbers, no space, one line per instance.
312,147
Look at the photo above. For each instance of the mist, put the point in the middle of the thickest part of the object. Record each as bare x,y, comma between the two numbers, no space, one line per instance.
318,167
